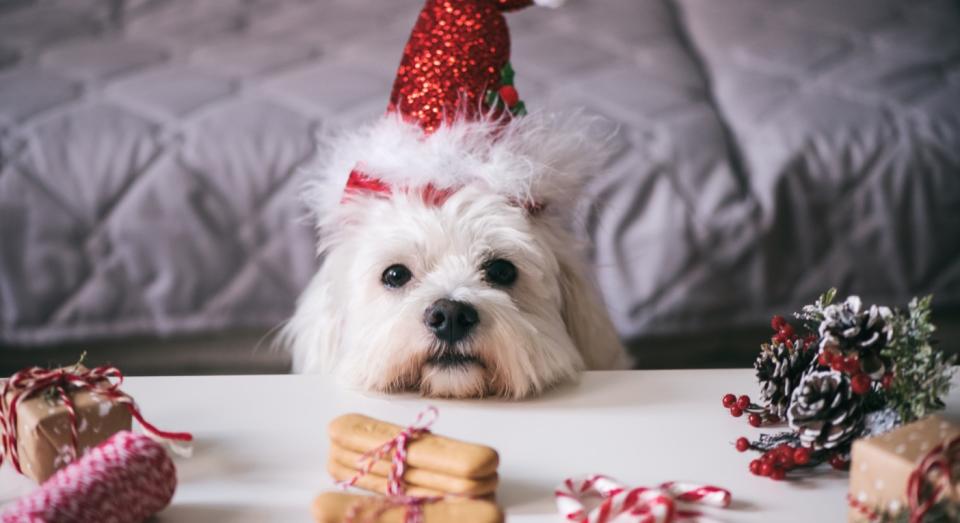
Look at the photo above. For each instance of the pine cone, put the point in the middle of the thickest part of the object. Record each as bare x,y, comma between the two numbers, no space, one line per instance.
779,370
824,410
849,330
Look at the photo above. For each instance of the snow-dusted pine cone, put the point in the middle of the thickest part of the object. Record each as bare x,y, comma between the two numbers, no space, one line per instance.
779,370
849,330
824,410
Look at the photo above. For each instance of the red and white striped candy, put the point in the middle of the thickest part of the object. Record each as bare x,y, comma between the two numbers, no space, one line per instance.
636,505
127,478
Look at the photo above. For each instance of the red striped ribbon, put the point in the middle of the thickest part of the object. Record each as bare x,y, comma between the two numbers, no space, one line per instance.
28,382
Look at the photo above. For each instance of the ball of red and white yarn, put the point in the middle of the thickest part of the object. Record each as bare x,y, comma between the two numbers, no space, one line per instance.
127,478
662,504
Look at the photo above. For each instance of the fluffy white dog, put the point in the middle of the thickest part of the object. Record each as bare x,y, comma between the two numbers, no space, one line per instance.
447,265
456,294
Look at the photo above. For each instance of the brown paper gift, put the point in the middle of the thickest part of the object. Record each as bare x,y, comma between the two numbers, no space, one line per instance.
43,428
881,466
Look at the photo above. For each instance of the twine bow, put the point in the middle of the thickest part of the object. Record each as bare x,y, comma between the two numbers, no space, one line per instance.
933,478
28,382
662,504
398,463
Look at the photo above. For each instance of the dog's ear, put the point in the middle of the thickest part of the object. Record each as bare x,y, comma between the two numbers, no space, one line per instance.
312,335
587,320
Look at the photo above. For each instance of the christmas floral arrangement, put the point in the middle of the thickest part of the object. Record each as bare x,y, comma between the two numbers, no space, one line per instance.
845,372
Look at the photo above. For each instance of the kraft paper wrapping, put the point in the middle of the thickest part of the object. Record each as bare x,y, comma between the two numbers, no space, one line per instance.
43,429
881,465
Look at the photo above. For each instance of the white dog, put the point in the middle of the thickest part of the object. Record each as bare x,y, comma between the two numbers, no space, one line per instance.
447,267
473,295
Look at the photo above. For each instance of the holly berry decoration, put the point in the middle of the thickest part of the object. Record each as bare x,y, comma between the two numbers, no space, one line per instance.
844,372
506,95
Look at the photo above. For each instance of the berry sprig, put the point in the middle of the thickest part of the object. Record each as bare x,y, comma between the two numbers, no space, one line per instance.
860,381
776,461
756,414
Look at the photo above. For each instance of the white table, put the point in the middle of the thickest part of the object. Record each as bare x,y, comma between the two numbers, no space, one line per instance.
261,443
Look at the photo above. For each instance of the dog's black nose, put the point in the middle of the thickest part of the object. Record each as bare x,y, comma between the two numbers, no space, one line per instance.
450,320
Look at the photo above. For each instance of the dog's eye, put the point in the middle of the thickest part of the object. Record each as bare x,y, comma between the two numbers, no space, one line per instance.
500,272
396,276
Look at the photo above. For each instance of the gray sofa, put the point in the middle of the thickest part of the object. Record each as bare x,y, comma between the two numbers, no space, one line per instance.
765,150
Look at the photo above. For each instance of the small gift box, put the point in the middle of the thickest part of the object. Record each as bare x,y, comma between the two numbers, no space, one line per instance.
51,417
906,474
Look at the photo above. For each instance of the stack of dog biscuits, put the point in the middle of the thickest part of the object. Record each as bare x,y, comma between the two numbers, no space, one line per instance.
334,507
435,465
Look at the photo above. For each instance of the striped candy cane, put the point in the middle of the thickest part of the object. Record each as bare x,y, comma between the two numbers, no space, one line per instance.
636,505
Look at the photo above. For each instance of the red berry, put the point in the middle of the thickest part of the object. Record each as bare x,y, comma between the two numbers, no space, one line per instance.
754,420
778,474
736,412
801,456
729,400
755,467
860,384
825,359
851,364
767,457
837,462
766,468
788,331
785,460
777,323
509,95
743,402
742,444
887,380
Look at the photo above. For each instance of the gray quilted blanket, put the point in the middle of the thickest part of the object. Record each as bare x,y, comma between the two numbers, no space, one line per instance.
766,149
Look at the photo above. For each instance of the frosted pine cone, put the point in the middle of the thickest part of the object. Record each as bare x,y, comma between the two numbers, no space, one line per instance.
779,370
848,328
824,410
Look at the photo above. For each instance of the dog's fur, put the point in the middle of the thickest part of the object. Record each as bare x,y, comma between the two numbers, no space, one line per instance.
541,331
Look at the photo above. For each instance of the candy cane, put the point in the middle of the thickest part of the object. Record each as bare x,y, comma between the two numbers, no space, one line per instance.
636,505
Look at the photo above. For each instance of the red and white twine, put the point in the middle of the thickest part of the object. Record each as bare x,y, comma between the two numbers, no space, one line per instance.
396,496
28,382
127,478
663,504
398,462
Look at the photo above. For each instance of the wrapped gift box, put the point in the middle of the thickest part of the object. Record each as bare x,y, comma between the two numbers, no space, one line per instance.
43,434
882,465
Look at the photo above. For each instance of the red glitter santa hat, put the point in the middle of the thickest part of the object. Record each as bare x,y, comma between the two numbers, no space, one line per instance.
457,63
450,121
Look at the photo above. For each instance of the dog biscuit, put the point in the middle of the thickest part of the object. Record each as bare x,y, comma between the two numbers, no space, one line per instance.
451,457
332,507
374,482
420,477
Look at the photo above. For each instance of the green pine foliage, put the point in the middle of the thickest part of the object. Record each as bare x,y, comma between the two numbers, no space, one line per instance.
922,372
